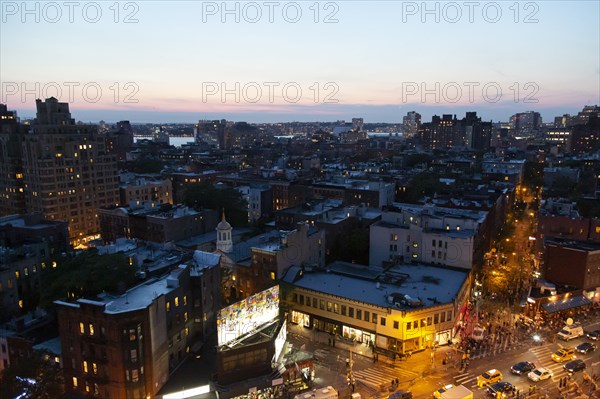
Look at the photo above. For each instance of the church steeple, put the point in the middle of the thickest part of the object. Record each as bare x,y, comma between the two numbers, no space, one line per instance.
224,241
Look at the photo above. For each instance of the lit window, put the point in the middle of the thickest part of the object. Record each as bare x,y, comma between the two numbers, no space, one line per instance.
95,368
272,275
85,367
185,316
168,306
185,300
81,328
74,382
133,354
176,301
17,274
91,329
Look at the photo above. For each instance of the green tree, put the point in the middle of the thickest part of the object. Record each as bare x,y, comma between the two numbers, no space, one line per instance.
147,165
35,376
423,184
85,275
208,196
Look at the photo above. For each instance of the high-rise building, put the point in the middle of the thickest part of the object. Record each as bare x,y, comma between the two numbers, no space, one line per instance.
411,124
526,121
439,133
12,199
358,124
476,134
211,132
67,172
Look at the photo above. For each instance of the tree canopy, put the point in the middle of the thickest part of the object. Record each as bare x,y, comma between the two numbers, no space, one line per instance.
35,376
85,275
208,196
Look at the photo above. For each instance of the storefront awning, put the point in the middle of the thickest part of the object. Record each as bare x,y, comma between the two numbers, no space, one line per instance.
565,304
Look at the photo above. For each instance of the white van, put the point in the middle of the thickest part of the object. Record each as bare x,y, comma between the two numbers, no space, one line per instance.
569,332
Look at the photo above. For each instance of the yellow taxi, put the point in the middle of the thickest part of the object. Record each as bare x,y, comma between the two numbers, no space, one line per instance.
438,394
489,377
563,354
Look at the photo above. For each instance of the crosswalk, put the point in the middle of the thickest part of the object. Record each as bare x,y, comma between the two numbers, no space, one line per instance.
468,379
543,355
382,375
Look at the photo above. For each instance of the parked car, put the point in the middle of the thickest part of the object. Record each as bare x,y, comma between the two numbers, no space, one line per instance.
539,374
586,347
575,365
522,368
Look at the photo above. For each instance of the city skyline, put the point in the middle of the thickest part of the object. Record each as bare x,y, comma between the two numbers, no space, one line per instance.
161,62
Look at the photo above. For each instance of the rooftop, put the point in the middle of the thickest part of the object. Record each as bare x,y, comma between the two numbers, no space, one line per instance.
375,286
136,298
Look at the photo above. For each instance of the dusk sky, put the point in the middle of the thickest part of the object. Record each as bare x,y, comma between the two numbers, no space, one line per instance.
315,61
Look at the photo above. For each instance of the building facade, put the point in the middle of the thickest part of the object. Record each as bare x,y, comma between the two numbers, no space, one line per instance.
126,346
374,312
428,234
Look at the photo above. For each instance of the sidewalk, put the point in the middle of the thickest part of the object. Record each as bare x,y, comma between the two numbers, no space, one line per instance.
419,362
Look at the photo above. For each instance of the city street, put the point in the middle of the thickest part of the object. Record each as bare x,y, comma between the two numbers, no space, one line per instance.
419,375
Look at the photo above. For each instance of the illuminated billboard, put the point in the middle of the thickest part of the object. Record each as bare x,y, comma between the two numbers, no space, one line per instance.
247,315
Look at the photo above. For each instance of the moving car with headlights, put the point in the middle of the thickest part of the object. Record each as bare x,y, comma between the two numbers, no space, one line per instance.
593,335
539,374
563,355
586,347
575,365
438,394
522,368
500,389
489,377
